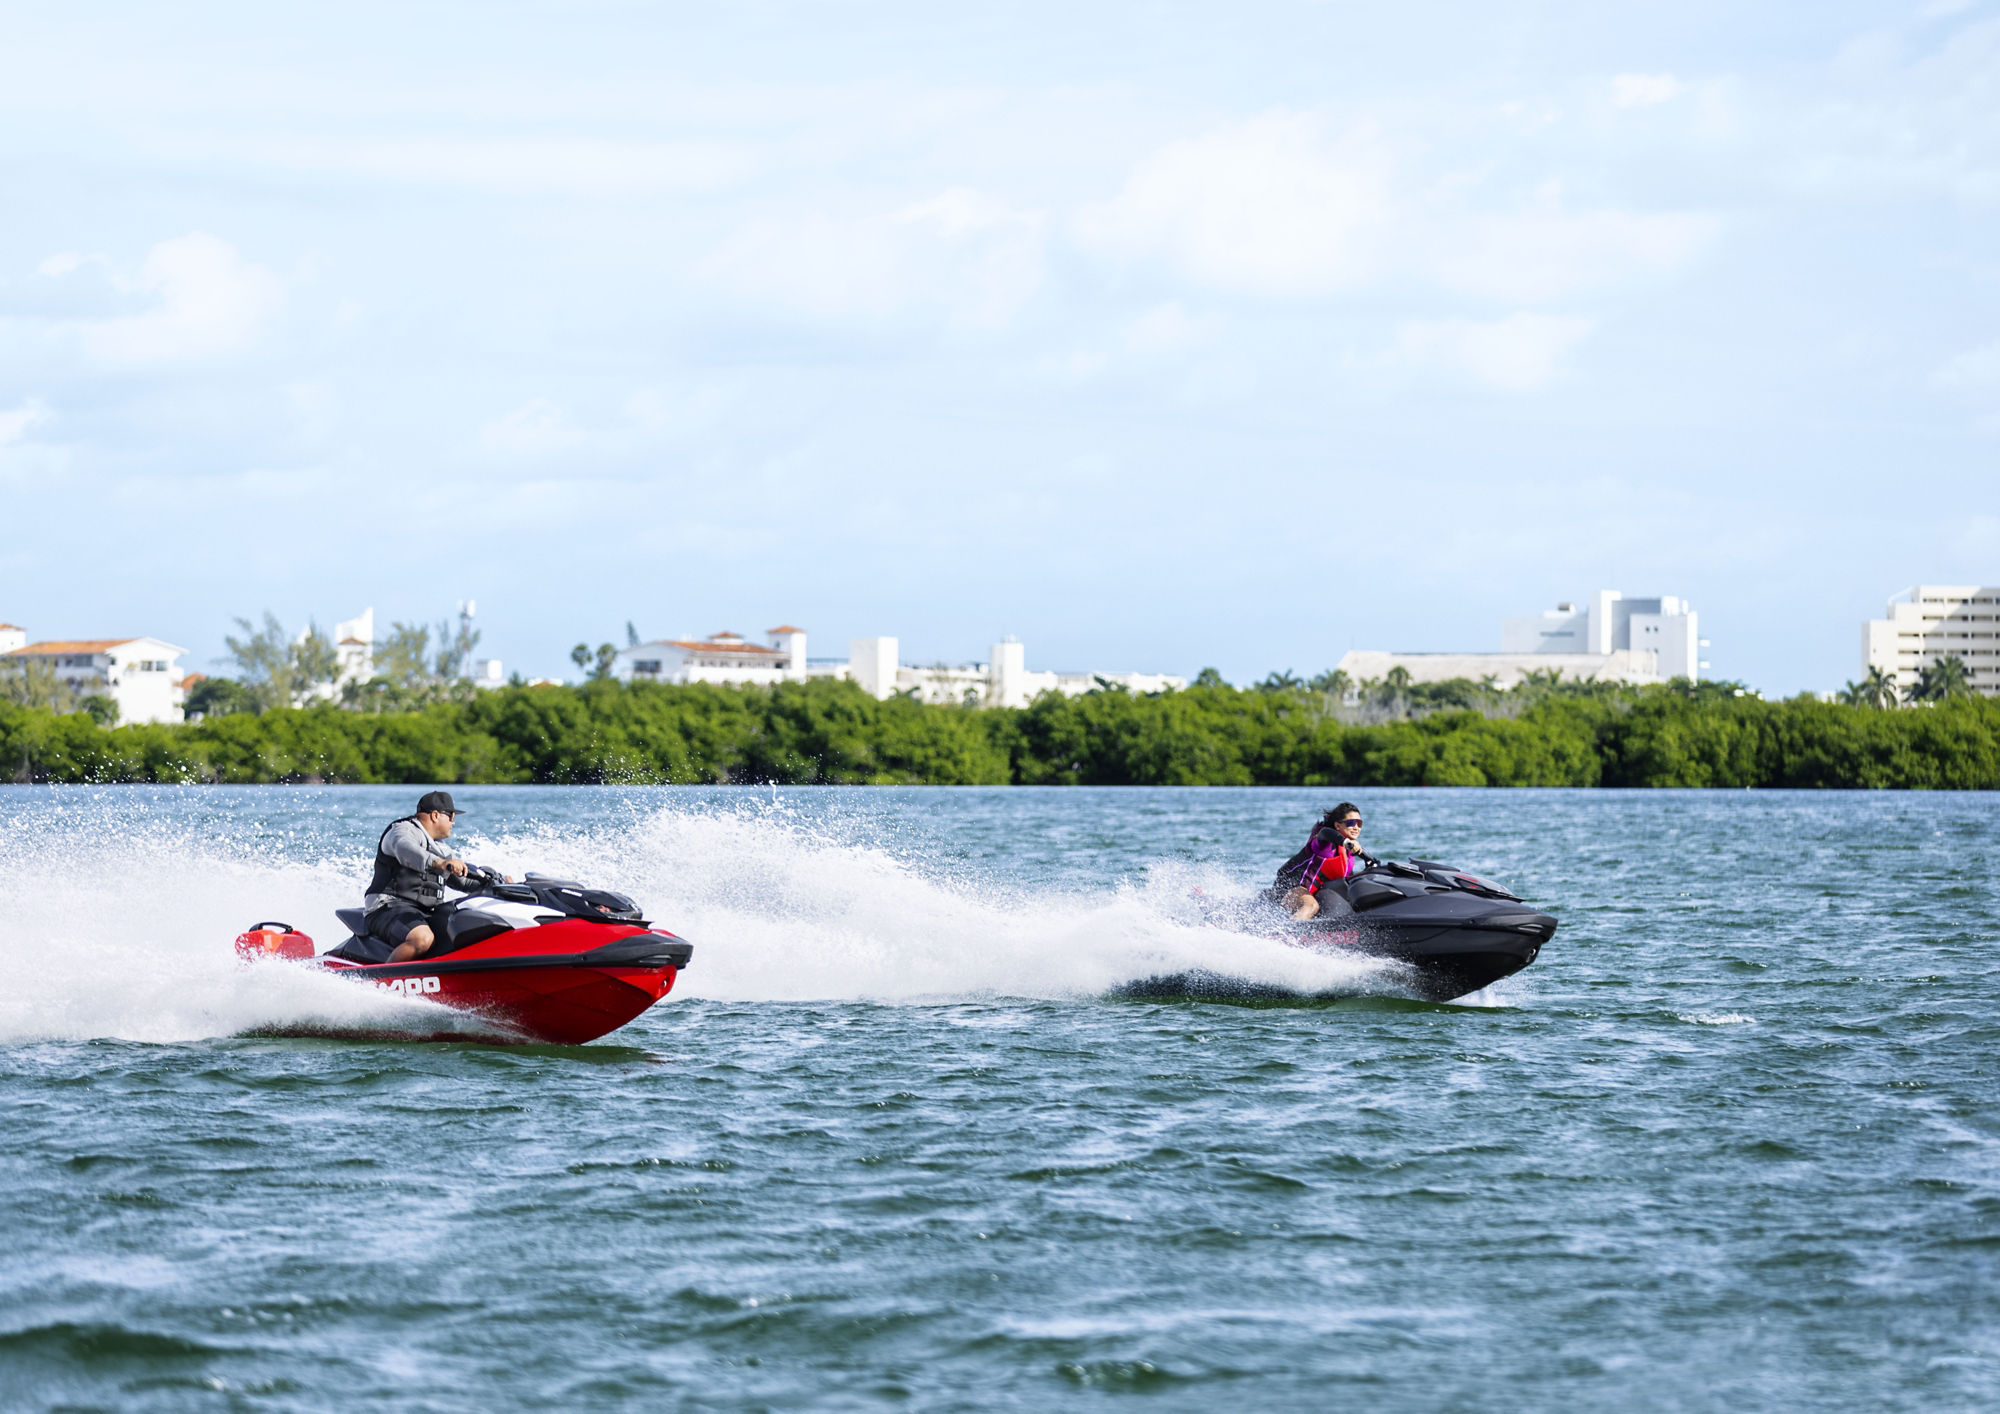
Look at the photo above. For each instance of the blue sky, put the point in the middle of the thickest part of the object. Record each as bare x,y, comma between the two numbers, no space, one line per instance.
1157,335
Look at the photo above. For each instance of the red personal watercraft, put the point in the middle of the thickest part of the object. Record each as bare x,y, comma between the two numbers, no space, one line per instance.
542,960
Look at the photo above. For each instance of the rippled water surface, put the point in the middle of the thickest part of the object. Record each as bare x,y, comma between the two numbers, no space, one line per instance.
1733,1143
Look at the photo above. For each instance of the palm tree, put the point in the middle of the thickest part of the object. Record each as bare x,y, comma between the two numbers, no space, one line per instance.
1876,689
1335,684
1947,677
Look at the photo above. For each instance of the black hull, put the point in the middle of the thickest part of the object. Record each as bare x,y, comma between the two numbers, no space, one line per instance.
1447,962
1448,946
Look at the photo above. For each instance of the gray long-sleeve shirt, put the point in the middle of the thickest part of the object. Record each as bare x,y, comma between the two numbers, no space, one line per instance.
408,844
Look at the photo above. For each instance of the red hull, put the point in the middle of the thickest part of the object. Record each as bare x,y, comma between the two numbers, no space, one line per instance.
562,983
563,1006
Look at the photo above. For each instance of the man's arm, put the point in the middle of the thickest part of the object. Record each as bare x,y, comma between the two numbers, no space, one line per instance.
408,845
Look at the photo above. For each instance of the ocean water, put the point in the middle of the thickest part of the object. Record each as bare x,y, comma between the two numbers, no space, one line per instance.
1733,1143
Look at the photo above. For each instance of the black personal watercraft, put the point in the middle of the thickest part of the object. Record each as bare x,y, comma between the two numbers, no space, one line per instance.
1453,932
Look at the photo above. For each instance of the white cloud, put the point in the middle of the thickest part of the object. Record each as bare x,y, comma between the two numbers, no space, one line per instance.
1541,249
963,256
208,300
1904,113
1161,330
677,411
1264,206
1073,366
572,166
1644,90
1976,371
60,264
1517,354
15,422
315,404
535,428
1268,207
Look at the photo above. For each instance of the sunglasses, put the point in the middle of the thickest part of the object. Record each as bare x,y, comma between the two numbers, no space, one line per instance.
1354,820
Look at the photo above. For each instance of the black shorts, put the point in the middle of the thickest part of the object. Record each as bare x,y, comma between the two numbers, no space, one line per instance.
392,922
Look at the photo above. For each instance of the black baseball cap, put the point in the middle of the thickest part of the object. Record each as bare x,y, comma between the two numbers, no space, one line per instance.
438,800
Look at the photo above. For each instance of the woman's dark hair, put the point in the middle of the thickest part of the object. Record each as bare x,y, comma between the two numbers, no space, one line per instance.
1346,807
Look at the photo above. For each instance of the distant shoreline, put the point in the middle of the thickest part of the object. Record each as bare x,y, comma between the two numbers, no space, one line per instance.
833,733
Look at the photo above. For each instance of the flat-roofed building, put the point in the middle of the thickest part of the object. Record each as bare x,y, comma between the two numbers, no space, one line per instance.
1935,621
1003,680
136,673
1605,638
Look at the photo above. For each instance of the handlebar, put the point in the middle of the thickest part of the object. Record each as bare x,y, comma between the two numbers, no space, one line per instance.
476,877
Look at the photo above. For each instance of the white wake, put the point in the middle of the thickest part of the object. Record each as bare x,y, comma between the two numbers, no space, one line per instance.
128,935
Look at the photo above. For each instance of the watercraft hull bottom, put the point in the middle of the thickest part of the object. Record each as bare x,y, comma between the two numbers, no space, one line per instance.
1430,964
559,983
560,1006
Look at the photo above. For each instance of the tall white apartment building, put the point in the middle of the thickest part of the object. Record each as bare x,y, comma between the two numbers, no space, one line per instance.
1607,637
1934,621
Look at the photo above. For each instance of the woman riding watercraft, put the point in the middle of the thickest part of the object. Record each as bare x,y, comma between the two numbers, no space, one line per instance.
1333,852
1449,932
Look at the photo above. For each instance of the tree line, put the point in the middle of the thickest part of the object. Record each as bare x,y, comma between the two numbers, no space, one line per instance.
1544,732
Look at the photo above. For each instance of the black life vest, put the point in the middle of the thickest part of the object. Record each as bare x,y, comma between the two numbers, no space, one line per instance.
422,887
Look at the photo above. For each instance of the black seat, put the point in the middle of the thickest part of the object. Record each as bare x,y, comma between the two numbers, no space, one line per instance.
354,920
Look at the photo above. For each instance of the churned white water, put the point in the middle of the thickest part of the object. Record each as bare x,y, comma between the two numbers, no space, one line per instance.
117,914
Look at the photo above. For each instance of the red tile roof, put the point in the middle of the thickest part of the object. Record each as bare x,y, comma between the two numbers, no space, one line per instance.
73,645
718,645
784,628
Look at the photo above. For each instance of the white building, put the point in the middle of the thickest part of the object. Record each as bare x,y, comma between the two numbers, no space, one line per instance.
354,647
1003,680
1610,638
136,673
1934,621
720,658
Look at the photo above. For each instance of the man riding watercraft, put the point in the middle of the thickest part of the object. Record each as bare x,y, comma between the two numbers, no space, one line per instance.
1333,852
547,960
411,871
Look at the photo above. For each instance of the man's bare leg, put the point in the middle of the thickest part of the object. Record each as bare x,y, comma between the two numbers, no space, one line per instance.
418,941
